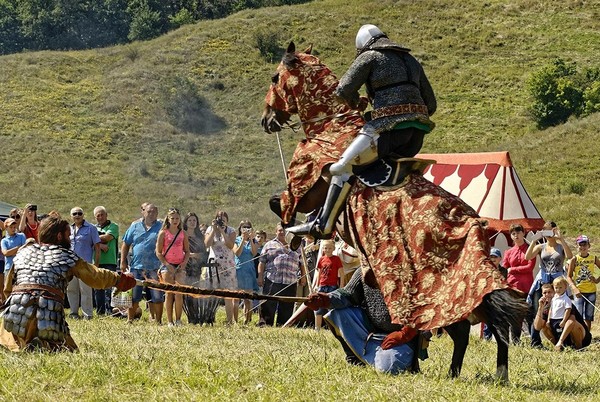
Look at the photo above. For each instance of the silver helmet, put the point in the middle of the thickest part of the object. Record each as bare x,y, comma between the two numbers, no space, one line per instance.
367,34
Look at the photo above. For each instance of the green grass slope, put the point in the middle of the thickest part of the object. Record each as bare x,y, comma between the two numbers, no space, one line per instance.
176,120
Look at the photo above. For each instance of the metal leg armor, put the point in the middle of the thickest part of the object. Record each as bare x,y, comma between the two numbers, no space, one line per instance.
362,151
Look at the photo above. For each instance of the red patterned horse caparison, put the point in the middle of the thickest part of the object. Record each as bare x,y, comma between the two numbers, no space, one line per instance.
427,248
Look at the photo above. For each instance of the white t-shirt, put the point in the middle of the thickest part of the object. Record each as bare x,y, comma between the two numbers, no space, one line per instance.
560,303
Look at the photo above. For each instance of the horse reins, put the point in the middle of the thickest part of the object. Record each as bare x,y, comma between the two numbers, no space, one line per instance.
296,126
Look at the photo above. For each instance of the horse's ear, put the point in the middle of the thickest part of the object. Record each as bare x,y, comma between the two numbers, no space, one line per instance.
291,48
308,49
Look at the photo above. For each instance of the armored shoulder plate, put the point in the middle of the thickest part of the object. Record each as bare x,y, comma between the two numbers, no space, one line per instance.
40,276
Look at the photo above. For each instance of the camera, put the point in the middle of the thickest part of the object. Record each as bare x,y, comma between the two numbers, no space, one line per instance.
548,233
219,222
246,230
32,208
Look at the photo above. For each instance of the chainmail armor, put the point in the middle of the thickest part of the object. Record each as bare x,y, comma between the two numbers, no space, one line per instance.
392,77
371,301
43,266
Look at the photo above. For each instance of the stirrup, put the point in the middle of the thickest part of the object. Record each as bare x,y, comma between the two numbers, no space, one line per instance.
293,240
310,228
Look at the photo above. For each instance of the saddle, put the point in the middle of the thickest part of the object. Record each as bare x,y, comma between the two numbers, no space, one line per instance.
391,170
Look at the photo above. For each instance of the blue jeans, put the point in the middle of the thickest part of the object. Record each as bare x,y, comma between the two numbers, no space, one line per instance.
585,308
157,296
325,289
349,326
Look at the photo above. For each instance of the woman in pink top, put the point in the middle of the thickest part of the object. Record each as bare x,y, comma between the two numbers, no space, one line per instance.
520,271
173,251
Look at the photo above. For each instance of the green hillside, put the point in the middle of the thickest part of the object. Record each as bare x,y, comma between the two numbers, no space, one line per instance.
176,120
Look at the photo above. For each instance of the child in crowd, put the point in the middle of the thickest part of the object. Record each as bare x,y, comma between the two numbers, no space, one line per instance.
329,266
496,258
580,276
10,245
560,310
173,251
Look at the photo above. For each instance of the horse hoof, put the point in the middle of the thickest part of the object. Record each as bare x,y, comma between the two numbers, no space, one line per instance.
502,374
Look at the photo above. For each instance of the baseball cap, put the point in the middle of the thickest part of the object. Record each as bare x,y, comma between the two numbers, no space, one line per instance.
494,252
583,239
9,221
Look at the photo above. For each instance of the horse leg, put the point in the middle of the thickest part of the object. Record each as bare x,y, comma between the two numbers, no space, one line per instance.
459,333
311,201
500,333
500,310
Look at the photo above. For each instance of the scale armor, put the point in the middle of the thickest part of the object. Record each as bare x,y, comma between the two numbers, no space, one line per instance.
40,277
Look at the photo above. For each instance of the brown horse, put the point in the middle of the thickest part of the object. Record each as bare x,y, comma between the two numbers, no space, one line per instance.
426,249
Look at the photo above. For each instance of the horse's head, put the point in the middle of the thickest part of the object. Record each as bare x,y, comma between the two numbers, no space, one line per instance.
289,93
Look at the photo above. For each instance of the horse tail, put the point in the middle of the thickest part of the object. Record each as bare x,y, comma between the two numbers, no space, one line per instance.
503,308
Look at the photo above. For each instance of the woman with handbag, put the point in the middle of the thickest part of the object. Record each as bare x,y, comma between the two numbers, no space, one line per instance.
173,251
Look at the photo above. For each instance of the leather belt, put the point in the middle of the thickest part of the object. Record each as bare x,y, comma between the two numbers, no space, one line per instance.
405,108
54,293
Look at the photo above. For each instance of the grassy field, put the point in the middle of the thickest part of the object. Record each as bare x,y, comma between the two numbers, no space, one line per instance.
175,120
118,361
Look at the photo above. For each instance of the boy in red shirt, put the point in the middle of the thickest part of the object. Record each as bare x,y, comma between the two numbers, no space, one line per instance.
329,266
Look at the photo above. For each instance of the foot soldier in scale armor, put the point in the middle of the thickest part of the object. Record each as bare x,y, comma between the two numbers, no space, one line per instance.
402,101
35,289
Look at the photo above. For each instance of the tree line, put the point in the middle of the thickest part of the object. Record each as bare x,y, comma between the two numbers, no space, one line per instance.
85,24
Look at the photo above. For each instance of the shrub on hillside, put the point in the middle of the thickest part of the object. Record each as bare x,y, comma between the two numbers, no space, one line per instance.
591,98
267,42
560,91
188,110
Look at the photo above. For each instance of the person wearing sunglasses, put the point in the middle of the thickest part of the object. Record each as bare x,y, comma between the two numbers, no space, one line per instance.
15,214
85,242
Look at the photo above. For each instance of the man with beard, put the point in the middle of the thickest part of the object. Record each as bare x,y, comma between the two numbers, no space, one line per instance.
35,288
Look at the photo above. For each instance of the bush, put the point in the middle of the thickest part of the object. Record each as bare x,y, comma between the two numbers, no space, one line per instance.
188,110
560,91
591,98
576,187
554,94
267,42
183,17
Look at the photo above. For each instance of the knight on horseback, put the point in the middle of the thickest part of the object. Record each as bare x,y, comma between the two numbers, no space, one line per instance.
402,101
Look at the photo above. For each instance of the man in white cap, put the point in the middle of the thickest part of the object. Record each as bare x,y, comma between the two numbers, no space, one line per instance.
402,99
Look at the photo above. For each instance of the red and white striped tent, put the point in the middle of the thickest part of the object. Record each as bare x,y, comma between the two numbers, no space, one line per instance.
489,183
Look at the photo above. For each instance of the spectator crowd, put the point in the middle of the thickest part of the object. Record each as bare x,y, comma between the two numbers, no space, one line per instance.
179,249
